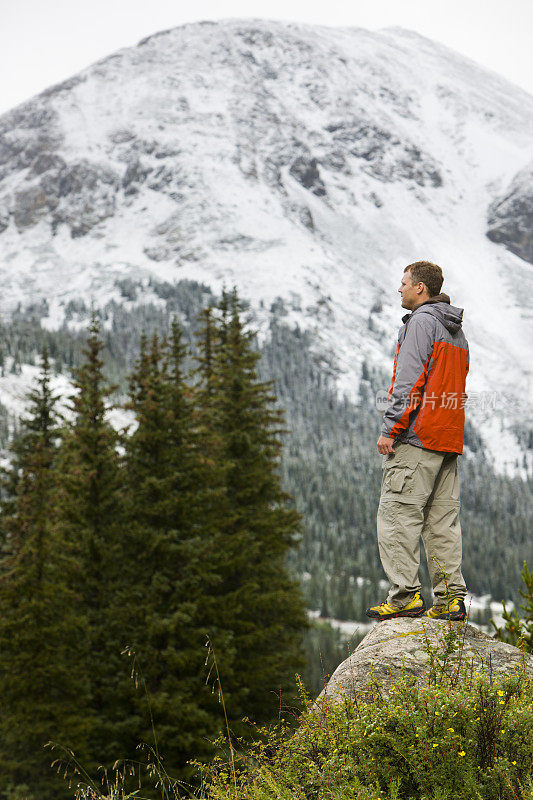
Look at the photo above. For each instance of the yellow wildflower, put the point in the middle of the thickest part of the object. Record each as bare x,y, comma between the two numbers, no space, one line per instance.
462,753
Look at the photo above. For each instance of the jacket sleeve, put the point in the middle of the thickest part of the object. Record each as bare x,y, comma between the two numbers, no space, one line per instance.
411,374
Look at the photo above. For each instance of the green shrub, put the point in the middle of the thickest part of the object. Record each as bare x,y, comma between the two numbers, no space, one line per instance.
465,741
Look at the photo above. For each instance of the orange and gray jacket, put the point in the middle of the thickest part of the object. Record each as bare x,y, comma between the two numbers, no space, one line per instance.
426,395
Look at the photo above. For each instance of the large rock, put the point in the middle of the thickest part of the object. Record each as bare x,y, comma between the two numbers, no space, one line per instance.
402,646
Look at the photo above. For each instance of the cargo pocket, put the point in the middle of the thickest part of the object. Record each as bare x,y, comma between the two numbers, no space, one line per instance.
399,479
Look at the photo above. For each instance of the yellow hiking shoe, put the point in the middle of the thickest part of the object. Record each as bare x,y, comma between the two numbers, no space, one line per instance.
454,609
415,608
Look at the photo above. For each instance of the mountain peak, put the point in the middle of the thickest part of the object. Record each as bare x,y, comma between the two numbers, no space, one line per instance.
305,162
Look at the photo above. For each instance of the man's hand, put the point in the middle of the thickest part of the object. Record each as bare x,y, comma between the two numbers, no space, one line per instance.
385,445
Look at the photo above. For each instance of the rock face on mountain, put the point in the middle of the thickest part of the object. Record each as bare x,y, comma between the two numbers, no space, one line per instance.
294,161
511,217
403,647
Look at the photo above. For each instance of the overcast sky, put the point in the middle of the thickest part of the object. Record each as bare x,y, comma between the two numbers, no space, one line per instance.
45,41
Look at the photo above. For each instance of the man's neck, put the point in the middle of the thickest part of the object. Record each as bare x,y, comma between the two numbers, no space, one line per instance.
421,303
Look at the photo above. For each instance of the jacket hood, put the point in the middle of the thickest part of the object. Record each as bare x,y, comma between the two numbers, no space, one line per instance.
440,307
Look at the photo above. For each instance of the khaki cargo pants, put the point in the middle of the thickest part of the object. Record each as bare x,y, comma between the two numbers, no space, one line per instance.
420,498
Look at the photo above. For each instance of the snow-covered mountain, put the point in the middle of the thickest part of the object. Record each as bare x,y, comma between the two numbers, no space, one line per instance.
299,162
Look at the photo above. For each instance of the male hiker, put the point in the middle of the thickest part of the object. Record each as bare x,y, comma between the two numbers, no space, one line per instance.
422,435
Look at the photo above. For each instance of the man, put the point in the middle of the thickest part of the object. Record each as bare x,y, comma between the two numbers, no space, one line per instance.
420,440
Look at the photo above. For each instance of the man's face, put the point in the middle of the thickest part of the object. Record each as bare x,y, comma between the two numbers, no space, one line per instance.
411,292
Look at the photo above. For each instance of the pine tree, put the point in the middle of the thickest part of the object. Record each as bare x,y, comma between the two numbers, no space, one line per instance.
169,520
90,514
43,682
259,602
518,629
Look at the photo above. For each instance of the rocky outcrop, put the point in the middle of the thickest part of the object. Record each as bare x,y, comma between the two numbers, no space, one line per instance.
4,217
80,195
30,206
25,134
135,173
510,218
386,156
306,172
404,647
